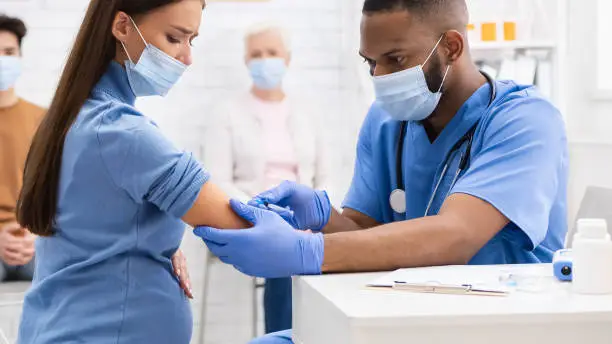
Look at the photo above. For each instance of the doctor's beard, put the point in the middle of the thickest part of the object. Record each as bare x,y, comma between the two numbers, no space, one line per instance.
435,74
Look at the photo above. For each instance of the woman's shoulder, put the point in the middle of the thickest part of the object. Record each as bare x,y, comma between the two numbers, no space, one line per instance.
114,123
124,117
116,116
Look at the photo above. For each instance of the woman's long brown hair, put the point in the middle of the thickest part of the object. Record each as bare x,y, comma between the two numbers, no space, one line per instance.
93,50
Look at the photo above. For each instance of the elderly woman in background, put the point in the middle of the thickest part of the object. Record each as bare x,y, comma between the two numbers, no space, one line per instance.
263,137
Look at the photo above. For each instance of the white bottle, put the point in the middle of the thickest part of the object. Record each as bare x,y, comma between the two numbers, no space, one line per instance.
592,255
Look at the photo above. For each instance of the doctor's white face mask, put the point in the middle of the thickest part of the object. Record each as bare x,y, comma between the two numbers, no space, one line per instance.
155,73
405,95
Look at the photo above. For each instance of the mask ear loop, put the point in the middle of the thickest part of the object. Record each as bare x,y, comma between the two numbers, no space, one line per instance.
444,78
433,50
139,33
431,54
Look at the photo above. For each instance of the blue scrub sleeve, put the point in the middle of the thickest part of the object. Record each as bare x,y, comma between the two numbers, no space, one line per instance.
144,163
518,168
363,192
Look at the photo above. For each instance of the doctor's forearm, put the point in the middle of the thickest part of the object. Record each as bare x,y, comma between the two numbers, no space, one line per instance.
349,221
338,223
430,241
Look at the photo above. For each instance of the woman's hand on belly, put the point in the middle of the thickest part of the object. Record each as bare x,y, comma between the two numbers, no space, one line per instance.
179,263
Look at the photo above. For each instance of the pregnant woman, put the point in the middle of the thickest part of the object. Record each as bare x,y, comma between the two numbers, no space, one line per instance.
107,193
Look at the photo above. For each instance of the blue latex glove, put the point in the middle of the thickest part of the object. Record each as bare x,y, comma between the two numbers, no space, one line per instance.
270,249
305,208
286,213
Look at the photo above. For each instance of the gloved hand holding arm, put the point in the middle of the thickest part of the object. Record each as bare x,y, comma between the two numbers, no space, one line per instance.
308,208
270,249
305,208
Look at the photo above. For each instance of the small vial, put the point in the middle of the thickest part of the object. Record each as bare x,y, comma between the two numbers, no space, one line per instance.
592,249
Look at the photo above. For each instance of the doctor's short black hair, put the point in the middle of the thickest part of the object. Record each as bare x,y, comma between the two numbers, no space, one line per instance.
13,25
419,7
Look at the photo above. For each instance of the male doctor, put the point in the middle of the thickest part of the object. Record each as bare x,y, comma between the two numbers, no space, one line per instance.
482,166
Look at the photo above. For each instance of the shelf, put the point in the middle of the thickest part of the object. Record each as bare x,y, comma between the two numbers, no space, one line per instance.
514,45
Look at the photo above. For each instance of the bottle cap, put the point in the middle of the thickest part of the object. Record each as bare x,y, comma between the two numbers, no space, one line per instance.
593,229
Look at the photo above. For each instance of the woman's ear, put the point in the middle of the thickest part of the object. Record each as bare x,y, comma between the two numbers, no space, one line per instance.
121,26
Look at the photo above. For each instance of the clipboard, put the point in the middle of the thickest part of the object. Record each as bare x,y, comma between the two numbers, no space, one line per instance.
438,288
453,280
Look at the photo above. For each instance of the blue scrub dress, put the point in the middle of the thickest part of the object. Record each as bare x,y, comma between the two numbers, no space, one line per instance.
106,275
519,164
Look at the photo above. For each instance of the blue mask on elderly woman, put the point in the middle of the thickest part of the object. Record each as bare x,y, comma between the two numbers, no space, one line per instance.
267,73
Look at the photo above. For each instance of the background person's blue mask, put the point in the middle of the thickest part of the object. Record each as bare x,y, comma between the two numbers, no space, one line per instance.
155,73
10,70
405,95
268,73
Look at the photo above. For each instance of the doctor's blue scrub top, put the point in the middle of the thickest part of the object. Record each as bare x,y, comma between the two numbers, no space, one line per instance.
106,275
519,164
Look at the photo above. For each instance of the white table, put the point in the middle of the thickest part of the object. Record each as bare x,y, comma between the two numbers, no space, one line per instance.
339,309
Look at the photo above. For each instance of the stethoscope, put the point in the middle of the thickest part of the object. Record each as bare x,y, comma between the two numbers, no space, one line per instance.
397,200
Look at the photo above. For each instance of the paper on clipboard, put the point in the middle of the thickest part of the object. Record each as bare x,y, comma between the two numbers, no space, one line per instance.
442,275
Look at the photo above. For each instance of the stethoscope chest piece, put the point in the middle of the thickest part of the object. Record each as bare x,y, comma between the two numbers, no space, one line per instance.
397,200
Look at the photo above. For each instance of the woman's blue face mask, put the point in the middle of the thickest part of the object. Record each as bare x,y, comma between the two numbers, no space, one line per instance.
267,73
155,73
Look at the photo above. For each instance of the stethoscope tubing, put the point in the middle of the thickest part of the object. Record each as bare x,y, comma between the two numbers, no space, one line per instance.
463,163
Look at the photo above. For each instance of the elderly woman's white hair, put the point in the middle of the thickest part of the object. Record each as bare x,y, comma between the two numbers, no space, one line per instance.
268,26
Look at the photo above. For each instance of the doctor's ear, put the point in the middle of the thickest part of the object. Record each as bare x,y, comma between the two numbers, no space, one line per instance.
454,44
122,26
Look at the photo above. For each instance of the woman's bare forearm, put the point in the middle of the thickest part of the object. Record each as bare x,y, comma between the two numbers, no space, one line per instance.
212,208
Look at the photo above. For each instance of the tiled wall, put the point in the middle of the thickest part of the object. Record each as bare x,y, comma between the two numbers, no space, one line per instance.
323,67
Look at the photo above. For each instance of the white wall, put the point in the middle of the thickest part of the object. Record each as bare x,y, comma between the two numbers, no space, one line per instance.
589,118
326,34
319,71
